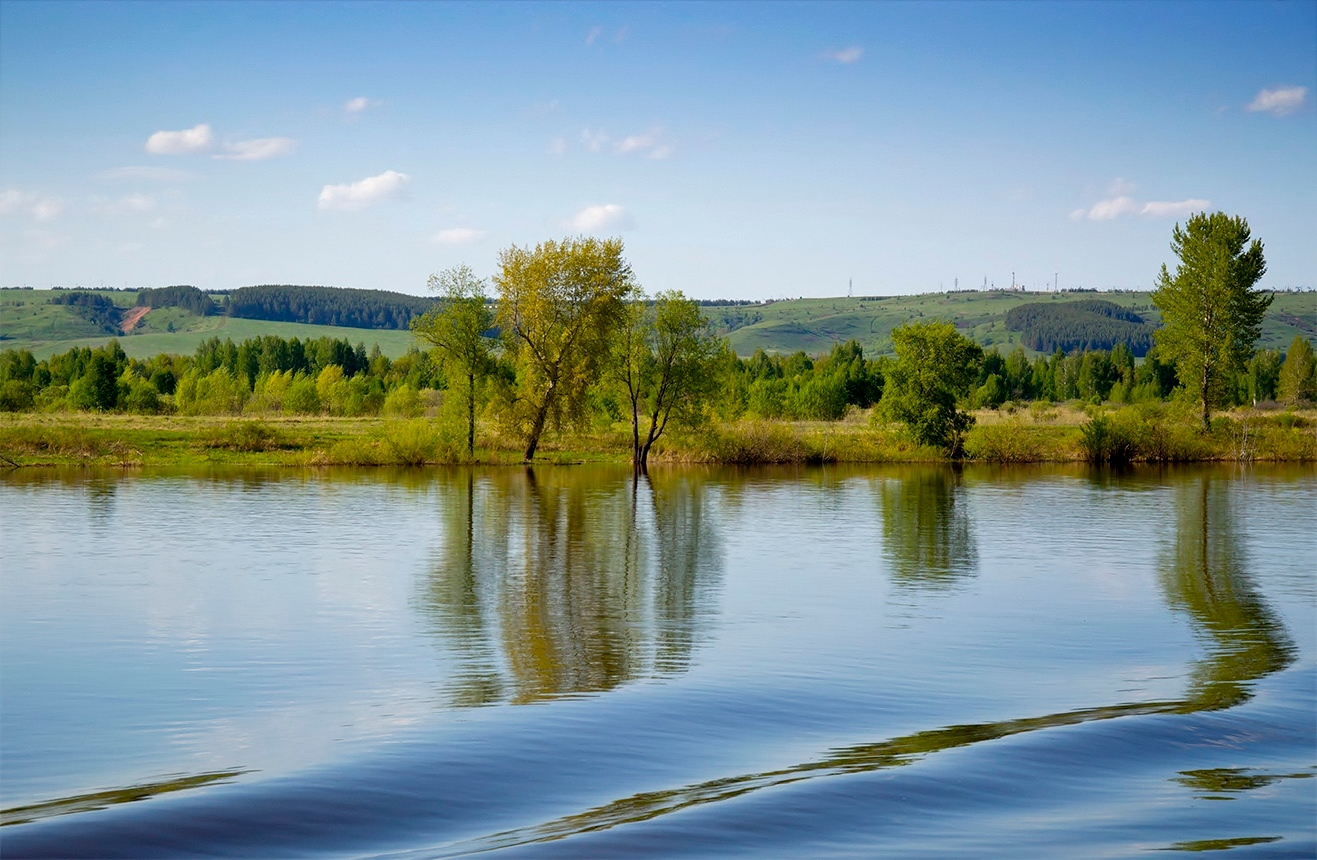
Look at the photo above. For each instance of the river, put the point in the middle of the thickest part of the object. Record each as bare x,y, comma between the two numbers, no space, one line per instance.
915,661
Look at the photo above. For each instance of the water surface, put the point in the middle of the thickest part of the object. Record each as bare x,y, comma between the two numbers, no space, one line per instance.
917,661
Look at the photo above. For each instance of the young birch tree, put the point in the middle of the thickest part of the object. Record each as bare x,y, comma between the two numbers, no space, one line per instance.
456,329
560,305
666,360
1211,313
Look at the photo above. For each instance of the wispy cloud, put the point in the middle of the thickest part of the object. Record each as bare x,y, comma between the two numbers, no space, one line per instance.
144,174
1282,101
359,105
196,139
649,144
257,150
558,146
129,204
364,192
597,32
845,56
593,140
458,236
1123,204
1174,209
40,207
607,216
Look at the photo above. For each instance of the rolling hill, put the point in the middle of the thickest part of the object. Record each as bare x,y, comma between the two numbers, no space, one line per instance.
28,321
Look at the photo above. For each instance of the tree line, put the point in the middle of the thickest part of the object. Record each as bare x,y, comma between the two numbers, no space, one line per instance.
573,341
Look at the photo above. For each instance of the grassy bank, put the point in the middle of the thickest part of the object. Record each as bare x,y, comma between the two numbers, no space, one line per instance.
1034,434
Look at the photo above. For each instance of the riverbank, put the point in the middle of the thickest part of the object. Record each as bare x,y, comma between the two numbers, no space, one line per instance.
1033,434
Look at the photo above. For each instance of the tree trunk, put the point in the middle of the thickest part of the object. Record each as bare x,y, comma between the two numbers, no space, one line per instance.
536,429
471,415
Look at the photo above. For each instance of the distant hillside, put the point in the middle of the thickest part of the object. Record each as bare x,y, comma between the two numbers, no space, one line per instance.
335,306
29,321
1081,325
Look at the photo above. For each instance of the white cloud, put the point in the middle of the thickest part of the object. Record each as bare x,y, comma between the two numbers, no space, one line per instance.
1282,101
458,236
608,216
359,105
1105,210
41,207
147,174
595,33
126,205
558,146
195,139
845,56
364,192
259,149
1167,209
1123,204
593,140
638,142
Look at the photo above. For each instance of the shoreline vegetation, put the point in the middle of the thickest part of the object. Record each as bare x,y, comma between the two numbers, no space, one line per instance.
573,362
1034,433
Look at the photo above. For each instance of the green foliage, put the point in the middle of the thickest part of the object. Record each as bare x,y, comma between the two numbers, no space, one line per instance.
1088,324
934,369
97,308
334,306
187,297
457,330
1212,315
1103,440
665,359
245,436
1297,380
561,304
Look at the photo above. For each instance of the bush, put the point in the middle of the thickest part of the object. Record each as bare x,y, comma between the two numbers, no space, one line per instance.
1008,442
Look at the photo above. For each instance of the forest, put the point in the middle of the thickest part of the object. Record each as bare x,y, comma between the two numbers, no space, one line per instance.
378,309
1082,325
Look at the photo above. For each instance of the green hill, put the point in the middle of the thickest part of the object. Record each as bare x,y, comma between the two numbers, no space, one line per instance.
28,321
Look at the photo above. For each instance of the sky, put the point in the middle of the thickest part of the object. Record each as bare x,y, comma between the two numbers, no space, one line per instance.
740,150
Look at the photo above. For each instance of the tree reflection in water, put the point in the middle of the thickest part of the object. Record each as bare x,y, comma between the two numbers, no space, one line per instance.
928,538
926,523
564,581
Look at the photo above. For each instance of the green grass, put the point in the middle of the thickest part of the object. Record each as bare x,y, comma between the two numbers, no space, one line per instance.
1155,433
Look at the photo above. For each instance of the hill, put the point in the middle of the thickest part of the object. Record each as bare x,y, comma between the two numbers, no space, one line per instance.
29,321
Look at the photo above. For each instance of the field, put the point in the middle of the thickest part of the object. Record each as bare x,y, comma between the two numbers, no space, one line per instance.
811,325
27,322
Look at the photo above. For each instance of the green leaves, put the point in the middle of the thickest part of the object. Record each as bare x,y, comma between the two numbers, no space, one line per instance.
935,367
1212,315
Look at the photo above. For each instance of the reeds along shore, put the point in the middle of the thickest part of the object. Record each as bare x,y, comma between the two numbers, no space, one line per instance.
1038,433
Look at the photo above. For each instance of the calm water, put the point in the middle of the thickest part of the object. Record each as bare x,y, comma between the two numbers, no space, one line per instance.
904,662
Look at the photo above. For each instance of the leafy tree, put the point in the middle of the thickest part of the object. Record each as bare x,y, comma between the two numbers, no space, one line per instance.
1212,314
1298,375
560,305
665,358
935,367
456,329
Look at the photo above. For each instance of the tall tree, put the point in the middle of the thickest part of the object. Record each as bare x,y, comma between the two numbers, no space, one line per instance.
1211,312
456,329
560,305
665,358
935,367
1298,375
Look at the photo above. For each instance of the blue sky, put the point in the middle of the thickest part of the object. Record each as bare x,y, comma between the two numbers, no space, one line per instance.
740,150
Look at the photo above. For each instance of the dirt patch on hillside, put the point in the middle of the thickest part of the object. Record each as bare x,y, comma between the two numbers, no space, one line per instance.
131,318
